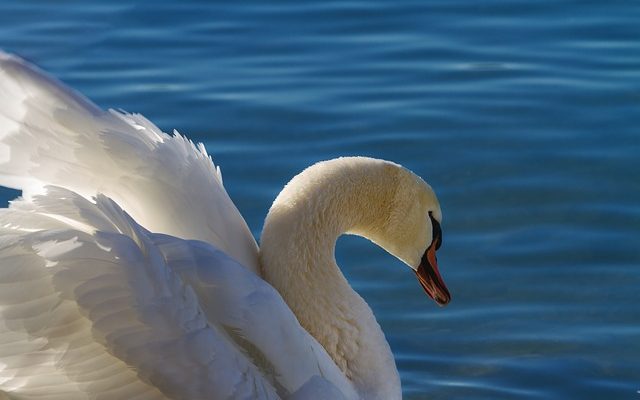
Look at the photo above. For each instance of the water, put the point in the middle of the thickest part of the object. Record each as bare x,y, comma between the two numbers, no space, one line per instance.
523,116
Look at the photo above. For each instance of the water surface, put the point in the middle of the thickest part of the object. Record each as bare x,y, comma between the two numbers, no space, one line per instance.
522,115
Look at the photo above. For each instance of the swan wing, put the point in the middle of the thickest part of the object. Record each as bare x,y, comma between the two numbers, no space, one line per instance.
50,134
89,308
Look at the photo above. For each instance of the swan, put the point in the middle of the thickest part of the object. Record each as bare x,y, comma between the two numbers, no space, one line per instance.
126,271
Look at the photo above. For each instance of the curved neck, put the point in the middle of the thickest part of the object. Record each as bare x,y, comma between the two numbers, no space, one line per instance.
297,258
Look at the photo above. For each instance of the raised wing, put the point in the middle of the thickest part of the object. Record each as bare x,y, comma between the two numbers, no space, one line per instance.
50,134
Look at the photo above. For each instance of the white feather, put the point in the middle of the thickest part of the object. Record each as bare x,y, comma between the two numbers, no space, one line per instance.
50,134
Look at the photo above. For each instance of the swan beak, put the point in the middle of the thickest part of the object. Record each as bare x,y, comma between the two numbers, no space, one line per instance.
430,279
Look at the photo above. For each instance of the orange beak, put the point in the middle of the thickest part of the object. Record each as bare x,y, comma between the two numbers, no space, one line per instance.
430,278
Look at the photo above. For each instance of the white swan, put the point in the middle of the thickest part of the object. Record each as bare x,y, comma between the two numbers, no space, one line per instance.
126,272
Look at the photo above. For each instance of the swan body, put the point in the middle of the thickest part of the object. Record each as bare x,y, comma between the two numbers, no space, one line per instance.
126,271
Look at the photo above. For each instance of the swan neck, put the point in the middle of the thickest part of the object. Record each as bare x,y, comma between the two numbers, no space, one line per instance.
297,258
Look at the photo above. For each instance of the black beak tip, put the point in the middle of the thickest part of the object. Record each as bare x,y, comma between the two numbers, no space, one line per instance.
443,301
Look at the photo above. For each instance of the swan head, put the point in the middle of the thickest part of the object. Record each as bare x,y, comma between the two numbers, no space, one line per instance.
376,199
410,228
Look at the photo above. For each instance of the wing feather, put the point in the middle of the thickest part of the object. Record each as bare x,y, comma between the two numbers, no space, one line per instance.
50,134
104,314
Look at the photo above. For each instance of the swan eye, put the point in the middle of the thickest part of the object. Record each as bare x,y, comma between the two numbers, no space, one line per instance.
437,231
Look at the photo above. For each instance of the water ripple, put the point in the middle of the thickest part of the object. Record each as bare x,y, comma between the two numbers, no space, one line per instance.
523,116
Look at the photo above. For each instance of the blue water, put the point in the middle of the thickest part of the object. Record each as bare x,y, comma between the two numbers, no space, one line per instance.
523,115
